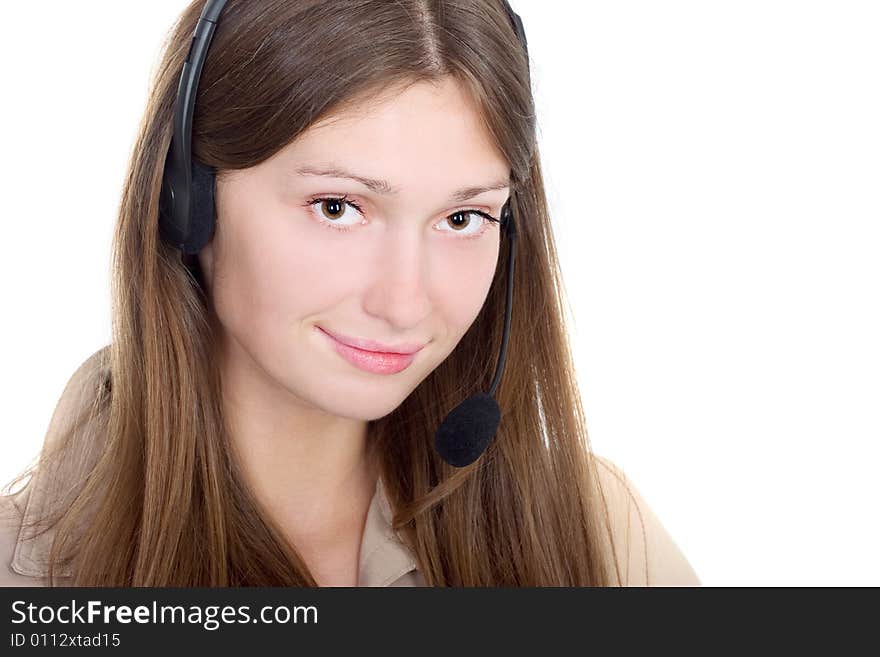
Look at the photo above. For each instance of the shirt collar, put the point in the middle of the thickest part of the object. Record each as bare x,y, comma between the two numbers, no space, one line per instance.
383,560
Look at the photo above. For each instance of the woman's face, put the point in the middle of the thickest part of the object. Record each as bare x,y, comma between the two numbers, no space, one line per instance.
413,265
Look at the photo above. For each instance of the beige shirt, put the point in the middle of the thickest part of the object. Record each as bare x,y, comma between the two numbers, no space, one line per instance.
648,554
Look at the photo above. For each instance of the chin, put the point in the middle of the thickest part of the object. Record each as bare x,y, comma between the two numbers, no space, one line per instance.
367,411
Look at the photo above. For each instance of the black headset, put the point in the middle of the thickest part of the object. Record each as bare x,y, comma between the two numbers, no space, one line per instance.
187,218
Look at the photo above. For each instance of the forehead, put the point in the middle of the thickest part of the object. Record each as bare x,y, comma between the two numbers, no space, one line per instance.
426,129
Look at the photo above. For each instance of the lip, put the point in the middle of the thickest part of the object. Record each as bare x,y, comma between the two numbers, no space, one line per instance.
376,362
407,348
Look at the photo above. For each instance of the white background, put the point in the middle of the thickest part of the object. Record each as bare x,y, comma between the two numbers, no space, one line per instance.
713,174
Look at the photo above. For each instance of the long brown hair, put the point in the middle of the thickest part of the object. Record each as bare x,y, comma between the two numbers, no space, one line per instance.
165,503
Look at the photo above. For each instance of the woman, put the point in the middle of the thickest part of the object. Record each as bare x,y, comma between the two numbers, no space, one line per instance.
240,429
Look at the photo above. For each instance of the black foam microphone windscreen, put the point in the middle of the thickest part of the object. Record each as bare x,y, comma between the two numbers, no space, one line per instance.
468,430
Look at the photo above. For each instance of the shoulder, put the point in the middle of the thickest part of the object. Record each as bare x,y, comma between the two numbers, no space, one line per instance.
11,512
20,559
79,392
647,553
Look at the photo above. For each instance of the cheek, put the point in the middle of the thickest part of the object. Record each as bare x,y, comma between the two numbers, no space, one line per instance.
464,277
272,270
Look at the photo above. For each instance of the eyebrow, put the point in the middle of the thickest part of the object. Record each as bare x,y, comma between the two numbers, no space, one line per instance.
384,187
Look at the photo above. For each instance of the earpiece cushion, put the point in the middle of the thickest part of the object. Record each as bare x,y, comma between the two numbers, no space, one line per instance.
202,211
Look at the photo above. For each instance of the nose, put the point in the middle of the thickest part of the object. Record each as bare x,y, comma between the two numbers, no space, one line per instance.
398,292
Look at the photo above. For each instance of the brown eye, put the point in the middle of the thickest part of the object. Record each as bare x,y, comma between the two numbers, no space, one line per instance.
336,208
464,223
460,220
333,211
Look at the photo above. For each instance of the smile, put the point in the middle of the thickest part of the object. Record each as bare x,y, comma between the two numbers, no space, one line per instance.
376,362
